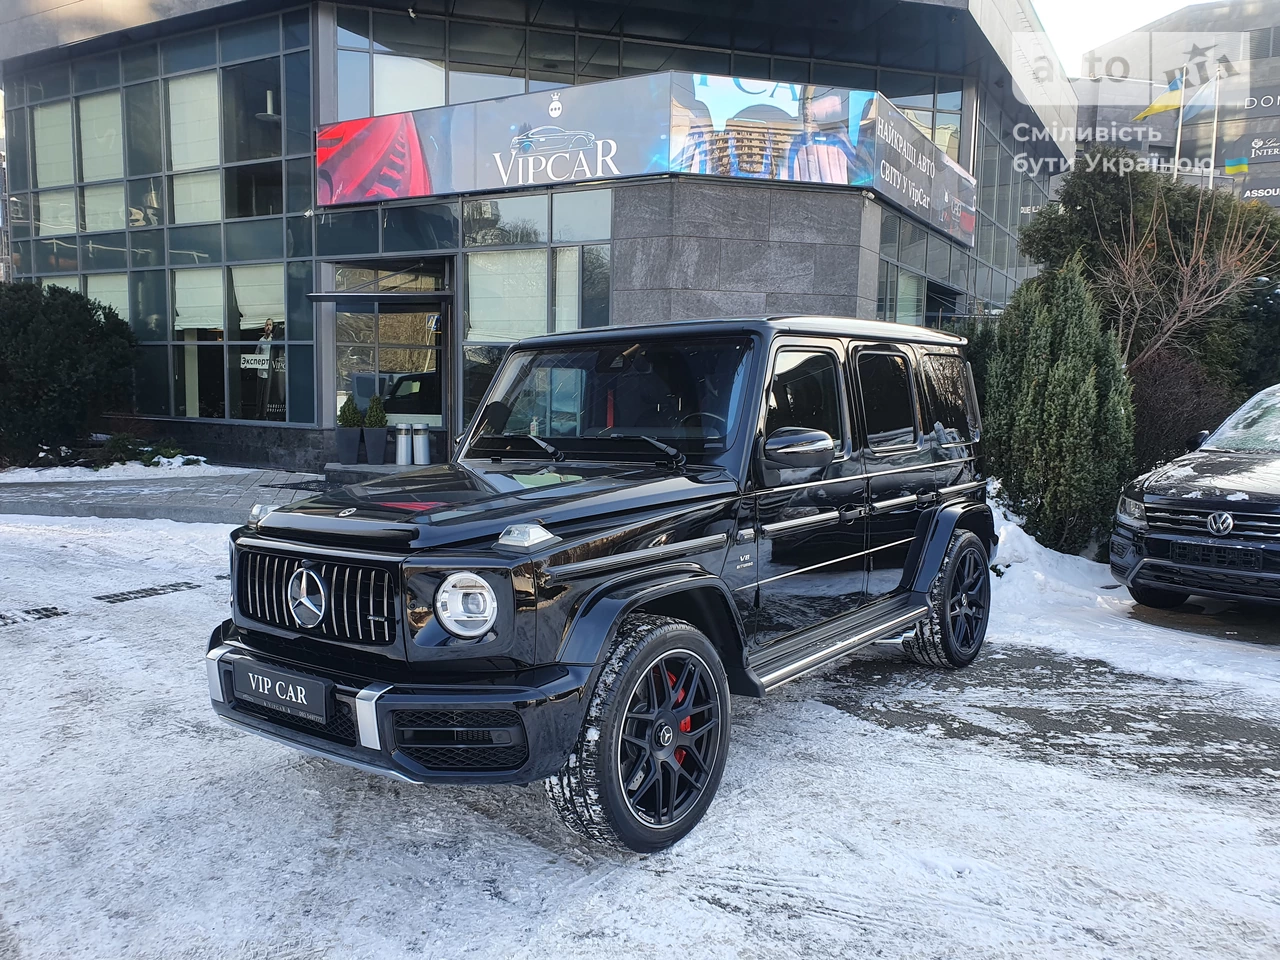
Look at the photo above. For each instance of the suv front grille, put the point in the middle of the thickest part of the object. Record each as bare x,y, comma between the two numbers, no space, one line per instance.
462,739
1188,520
1204,555
362,599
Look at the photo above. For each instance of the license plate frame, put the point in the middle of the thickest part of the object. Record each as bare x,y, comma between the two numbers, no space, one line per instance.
282,690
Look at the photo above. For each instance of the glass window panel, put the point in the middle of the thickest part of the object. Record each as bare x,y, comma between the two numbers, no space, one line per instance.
551,59
581,215
352,232
142,128
146,202
596,285
652,58
297,108
148,305
197,197
353,27
101,141
106,251
401,84
298,198
421,37
911,288
20,216
96,72
597,59
191,52
139,63
566,306
297,237
48,83
255,190
485,61
839,75
151,381
938,263
195,246
54,255
946,134
193,121
882,289
791,71
805,392
890,230
408,326
255,240
354,369
254,38
479,366
110,289
428,227
914,240
104,207
20,255
356,324
15,90
353,85
512,220
71,284
198,304
146,248
199,380
907,89
55,213
297,29
506,295
922,120
16,155
950,93
959,276
302,383
747,66
412,384
301,311
255,301
886,399
252,125
51,136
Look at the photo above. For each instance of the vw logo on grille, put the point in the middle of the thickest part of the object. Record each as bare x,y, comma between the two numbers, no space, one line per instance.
1220,524
308,597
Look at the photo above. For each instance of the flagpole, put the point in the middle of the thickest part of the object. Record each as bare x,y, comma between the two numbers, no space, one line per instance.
1182,102
1213,151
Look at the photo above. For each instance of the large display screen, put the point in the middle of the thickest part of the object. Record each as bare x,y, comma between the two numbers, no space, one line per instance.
662,123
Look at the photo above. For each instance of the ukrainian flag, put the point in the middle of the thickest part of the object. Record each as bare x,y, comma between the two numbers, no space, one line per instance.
1171,99
1237,166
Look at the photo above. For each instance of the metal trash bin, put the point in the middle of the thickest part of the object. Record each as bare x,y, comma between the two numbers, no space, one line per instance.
404,444
421,444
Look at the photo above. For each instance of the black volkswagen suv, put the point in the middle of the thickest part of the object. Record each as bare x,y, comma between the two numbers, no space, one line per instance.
639,522
1209,522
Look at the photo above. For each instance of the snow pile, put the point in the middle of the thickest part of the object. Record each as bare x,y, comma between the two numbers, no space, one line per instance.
164,467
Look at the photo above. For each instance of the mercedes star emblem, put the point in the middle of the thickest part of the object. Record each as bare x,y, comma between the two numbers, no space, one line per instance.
665,735
308,597
1220,524
347,512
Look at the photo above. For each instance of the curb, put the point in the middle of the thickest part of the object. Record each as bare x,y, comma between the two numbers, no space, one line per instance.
235,516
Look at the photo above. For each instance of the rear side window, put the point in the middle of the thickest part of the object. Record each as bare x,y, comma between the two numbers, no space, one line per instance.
805,392
887,408
953,411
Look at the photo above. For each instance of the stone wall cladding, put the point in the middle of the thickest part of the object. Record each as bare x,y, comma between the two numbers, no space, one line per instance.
690,248
239,444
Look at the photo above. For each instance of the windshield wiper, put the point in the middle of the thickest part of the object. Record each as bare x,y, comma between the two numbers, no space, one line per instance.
678,459
551,451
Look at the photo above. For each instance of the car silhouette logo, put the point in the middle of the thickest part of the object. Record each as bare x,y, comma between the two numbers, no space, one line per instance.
308,597
1220,524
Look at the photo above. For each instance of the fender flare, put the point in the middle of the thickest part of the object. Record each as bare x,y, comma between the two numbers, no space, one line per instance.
591,632
933,536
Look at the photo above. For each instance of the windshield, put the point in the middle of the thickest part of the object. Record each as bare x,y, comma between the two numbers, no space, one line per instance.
685,395
1254,428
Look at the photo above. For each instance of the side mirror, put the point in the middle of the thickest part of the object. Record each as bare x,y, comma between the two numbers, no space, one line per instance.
1196,441
798,448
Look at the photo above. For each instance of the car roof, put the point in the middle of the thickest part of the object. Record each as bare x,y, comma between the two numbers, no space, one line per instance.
876,330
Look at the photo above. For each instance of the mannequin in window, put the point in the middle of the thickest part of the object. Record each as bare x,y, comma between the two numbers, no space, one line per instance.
265,345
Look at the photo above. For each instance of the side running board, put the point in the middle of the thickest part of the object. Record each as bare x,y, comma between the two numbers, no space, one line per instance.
773,669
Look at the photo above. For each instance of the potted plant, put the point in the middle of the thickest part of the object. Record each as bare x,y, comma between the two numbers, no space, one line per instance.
349,422
375,432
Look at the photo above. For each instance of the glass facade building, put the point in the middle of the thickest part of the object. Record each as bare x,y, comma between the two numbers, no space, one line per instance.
174,179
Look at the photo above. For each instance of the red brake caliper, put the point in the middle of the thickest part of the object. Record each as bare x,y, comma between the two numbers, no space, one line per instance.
686,725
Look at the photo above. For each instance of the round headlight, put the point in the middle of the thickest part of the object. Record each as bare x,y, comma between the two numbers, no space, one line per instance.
466,605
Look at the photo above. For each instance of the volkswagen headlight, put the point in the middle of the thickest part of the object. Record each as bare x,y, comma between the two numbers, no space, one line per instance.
1132,513
466,605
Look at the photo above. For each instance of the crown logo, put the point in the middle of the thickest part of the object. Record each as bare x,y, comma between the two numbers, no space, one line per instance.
556,107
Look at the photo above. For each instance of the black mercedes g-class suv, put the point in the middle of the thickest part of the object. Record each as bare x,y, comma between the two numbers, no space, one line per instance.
638,522
1209,522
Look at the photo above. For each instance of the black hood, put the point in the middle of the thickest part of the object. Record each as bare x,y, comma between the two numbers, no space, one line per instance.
464,503
1239,481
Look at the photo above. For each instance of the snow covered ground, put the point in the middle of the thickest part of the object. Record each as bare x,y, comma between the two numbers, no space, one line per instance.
165,467
1094,788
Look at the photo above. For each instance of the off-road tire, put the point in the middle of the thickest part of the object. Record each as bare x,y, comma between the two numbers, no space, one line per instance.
1156,598
933,642
588,792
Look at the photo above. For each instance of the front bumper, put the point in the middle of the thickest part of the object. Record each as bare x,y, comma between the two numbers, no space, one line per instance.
444,733
1152,560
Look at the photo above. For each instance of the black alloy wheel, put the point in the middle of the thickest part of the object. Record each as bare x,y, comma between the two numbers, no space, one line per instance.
970,602
668,749
952,635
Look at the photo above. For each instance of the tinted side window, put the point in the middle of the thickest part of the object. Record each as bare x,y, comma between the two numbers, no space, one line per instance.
885,380
805,392
949,402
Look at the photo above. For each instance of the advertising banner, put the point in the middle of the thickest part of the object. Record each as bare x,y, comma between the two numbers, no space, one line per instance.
662,123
